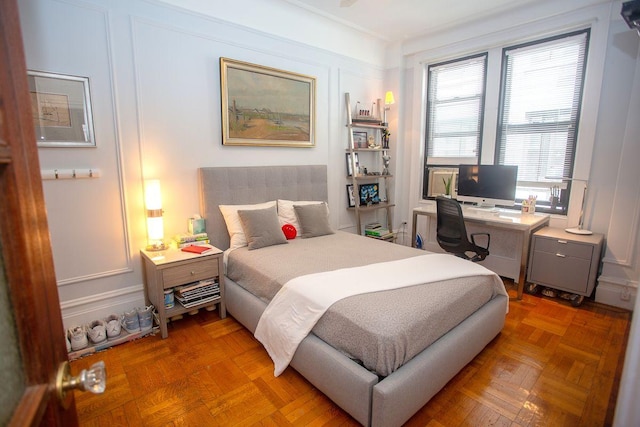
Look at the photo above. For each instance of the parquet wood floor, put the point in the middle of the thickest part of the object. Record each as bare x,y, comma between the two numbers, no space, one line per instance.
552,365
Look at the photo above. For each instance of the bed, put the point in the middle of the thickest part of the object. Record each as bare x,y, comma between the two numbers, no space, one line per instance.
383,388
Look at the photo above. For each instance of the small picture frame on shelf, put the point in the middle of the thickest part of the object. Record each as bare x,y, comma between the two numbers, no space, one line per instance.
350,165
369,194
351,200
359,139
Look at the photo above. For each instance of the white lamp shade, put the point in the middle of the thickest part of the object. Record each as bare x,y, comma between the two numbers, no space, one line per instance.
152,195
155,224
155,228
388,98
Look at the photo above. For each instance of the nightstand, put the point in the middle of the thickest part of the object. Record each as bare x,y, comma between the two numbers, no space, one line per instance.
565,261
173,268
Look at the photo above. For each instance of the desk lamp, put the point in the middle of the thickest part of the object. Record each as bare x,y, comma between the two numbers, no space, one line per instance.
579,229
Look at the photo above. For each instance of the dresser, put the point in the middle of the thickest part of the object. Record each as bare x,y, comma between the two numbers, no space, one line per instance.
564,261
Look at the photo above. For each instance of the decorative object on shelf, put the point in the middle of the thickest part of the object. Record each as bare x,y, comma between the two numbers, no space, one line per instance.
366,116
359,139
61,109
350,164
278,105
369,194
351,200
388,100
386,160
155,224
385,138
372,143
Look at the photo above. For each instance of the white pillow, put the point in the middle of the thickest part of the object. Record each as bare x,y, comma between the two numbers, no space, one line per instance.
287,215
237,239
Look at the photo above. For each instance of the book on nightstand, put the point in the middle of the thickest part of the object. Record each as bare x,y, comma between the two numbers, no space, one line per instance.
198,249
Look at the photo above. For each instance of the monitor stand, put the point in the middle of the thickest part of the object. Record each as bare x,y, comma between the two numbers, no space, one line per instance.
484,207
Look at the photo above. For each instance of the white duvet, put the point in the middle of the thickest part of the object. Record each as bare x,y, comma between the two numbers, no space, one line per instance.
300,303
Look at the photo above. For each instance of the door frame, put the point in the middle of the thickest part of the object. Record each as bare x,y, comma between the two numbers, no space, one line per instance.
26,245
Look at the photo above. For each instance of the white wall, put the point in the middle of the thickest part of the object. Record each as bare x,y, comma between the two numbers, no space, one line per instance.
155,87
155,90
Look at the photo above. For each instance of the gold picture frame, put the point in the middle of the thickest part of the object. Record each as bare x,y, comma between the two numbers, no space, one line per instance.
263,106
61,110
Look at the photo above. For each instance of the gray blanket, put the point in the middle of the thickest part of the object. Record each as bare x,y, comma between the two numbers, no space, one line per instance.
381,330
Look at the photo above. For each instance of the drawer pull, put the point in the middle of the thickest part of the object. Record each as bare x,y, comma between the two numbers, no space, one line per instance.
193,273
564,242
561,255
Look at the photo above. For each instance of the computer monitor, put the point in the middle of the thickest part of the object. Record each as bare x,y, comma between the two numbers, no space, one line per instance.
487,185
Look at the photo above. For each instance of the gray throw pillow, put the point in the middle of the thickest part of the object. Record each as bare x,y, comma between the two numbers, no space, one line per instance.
313,220
261,227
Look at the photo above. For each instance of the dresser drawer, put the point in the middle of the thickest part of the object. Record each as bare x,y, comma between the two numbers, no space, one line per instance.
561,272
563,247
186,273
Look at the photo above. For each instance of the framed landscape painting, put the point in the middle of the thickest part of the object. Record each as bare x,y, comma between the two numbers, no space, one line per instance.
263,106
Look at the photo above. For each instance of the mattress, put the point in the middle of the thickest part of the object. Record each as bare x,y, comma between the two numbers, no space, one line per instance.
381,330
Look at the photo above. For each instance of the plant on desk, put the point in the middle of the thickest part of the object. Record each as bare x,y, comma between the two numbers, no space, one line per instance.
447,185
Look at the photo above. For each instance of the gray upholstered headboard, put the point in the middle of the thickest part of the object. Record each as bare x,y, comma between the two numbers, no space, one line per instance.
254,184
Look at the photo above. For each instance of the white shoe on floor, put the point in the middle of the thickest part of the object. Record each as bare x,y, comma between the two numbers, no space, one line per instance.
97,331
113,326
78,337
145,317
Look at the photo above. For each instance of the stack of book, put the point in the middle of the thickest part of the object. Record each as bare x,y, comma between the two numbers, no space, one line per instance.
377,231
197,293
188,239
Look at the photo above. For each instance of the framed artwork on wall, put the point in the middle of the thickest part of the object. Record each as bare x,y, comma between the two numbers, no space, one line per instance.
350,165
61,110
263,106
351,199
369,194
359,139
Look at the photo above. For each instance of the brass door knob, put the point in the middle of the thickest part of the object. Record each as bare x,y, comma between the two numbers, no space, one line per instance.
93,379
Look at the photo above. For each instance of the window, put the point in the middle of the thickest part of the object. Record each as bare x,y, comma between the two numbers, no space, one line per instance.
538,119
455,103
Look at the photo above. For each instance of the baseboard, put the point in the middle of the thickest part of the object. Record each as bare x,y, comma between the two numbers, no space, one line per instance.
83,310
615,292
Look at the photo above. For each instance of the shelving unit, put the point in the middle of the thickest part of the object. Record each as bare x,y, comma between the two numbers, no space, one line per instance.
378,175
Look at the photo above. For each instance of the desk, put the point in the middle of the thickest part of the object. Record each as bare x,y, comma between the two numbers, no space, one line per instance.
510,235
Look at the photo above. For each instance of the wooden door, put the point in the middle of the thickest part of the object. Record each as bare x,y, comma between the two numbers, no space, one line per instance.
27,279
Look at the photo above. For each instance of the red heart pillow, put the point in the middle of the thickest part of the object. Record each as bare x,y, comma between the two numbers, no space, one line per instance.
289,231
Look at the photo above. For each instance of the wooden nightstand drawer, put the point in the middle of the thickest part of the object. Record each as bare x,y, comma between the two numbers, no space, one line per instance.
564,247
181,274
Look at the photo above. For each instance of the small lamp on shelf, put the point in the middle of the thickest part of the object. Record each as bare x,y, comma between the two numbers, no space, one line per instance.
388,101
155,224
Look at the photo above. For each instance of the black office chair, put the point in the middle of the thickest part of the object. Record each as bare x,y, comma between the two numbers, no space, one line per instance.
451,232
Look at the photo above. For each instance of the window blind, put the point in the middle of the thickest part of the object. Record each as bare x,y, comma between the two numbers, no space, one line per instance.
540,108
455,102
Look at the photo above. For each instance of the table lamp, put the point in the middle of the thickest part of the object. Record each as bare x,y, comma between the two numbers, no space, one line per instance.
155,224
